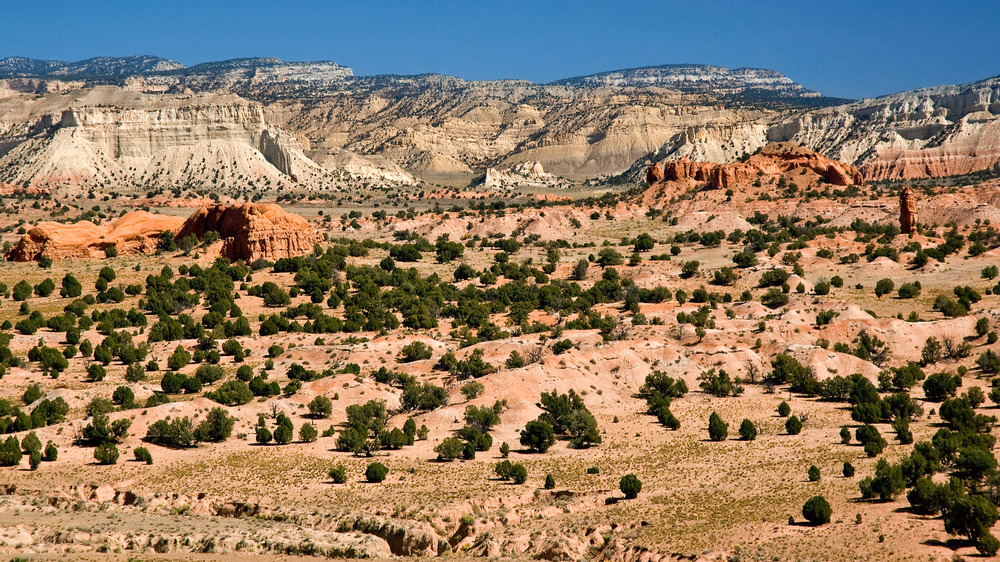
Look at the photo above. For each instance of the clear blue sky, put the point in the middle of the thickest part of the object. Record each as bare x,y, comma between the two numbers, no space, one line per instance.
841,48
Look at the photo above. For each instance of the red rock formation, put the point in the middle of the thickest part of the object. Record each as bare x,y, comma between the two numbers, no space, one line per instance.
132,233
907,211
687,168
252,231
654,173
772,160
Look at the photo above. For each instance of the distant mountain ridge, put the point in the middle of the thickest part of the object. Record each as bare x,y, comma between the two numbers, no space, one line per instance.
696,78
687,78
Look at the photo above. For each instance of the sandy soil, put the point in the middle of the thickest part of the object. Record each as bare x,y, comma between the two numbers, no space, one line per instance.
700,499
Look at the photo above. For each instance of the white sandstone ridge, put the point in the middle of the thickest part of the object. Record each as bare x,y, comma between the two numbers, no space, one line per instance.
525,174
351,166
109,137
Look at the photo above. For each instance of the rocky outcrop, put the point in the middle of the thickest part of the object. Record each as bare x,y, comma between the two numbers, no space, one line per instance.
253,231
444,127
525,174
654,173
772,160
8,189
132,233
403,538
685,168
907,211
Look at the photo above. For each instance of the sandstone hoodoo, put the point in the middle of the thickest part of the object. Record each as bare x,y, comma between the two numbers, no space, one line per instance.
252,231
132,233
772,160
654,173
907,211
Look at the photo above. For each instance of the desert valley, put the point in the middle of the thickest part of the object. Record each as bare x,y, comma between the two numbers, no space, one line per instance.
254,309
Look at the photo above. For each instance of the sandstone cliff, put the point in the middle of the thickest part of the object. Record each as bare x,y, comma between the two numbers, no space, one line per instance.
440,127
106,136
132,233
445,128
253,231
939,131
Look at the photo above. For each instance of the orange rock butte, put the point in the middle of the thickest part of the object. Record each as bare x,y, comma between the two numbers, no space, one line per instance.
253,231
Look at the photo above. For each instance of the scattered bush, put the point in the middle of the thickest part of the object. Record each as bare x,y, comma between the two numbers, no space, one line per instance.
817,510
630,486
793,425
376,472
718,430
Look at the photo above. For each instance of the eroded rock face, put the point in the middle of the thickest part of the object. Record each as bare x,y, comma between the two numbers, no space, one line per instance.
253,231
907,211
930,132
132,233
772,160
654,173
687,168
109,136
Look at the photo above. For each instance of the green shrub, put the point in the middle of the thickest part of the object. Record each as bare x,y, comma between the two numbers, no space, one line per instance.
338,474
630,486
415,351
320,407
784,409
142,454
308,433
449,449
718,430
793,426
814,473
376,472
538,436
518,473
106,453
817,510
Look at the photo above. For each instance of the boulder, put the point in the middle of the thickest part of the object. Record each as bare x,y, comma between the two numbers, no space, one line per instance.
253,231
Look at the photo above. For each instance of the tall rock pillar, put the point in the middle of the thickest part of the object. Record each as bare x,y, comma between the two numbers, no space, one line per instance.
907,211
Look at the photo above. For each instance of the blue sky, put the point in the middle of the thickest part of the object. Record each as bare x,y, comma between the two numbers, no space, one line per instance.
841,48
